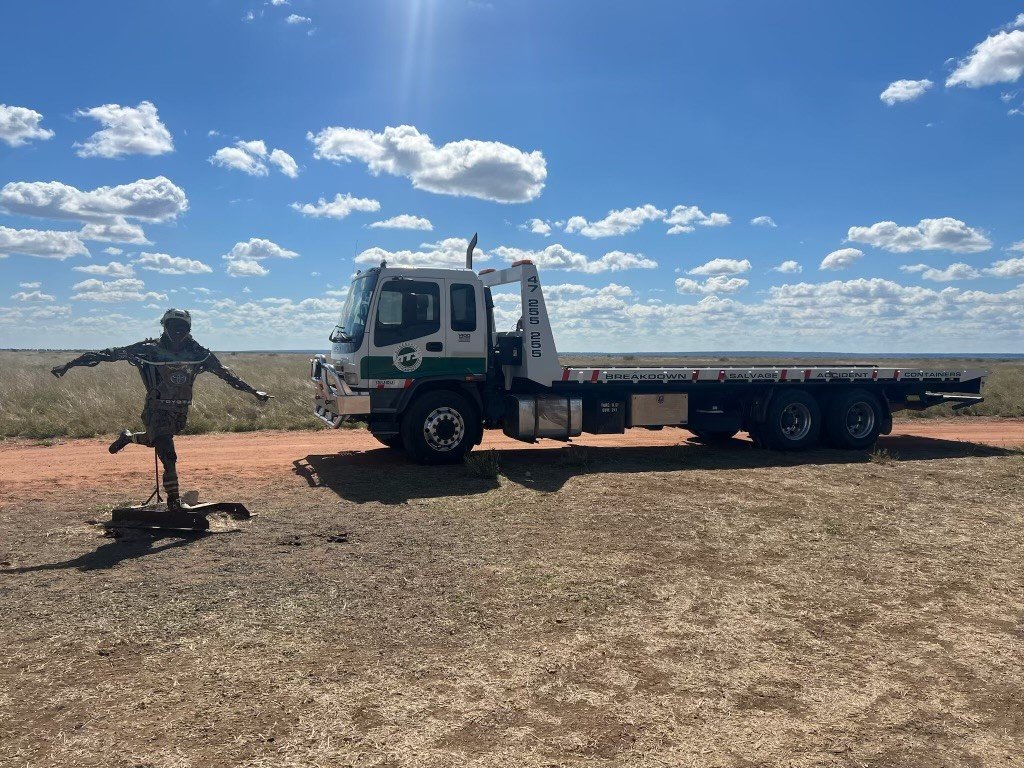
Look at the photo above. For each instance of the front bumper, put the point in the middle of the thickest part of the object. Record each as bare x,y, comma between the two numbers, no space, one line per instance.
334,401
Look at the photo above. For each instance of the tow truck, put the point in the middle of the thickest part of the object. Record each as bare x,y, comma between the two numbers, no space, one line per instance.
416,356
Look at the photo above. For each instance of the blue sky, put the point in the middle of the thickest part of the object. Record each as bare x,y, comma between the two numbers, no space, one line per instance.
897,219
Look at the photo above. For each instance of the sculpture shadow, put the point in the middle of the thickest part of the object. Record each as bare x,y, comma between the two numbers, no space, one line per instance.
129,545
388,477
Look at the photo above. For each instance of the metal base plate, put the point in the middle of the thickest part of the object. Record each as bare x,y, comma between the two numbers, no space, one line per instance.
158,517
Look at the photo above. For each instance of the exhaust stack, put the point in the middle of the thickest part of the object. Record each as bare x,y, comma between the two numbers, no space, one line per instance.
469,252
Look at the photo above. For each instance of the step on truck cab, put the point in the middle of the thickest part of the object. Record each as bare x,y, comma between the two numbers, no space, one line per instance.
416,356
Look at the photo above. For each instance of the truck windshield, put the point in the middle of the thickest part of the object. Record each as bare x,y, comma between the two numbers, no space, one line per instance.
352,322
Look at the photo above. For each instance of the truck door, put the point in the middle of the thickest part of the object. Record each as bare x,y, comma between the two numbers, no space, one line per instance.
467,334
409,331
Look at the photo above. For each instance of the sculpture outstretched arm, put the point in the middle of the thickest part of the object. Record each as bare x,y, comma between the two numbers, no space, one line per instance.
90,359
214,366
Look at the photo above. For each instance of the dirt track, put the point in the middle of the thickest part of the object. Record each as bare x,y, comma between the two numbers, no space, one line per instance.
29,469
644,605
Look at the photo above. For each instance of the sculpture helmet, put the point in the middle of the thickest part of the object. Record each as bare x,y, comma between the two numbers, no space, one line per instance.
176,314
177,325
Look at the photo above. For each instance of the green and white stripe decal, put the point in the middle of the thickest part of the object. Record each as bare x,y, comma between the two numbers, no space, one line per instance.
383,367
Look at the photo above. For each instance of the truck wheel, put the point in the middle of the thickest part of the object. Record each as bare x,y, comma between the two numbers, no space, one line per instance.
853,420
714,435
391,441
794,421
440,427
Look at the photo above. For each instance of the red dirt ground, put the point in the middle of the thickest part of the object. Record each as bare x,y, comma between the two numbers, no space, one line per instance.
29,469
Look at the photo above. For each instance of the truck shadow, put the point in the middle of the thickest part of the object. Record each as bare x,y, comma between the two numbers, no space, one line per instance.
387,477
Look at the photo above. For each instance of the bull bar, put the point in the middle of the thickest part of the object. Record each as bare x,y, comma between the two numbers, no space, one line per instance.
335,401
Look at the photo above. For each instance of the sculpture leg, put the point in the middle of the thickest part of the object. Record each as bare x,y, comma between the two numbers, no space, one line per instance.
126,437
164,445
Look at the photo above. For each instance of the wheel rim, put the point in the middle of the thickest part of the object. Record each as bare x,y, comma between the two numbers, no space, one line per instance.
860,420
443,429
795,421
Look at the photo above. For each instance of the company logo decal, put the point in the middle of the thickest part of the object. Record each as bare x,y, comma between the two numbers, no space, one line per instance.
179,378
407,358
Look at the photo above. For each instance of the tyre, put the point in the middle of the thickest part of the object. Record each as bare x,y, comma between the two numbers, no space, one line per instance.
853,420
391,441
793,421
714,435
440,427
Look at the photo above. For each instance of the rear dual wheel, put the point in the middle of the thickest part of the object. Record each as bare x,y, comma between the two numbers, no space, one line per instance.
853,420
793,422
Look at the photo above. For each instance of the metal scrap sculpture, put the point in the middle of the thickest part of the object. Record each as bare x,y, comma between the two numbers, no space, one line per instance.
169,367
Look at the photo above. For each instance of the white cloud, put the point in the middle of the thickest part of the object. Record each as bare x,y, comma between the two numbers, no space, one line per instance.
488,170
721,267
338,208
279,2
20,125
104,210
557,256
32,296
126,131
904,90
788,268
998,58
259,248
45,244
958,271
537,227
246,268
615,223
711,286
285,163
171,265
841,259
684,218
117,230
1007,268
239,159
449,253
294,18
30,286
928,235
112,251
244,257
251,157
404,221
111,269
114,291
763,221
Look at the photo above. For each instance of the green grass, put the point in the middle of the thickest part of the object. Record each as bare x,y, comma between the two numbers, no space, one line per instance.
105,399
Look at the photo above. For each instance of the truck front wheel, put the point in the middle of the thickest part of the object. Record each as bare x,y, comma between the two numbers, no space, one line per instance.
853,420
440,427
793,423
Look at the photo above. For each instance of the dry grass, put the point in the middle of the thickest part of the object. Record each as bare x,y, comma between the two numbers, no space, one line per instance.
739,611
102,400
109,397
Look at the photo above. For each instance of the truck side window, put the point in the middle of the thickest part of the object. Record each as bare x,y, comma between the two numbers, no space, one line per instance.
463,307
407,309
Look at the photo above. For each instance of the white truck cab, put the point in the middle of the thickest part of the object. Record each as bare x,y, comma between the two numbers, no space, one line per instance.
416,355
